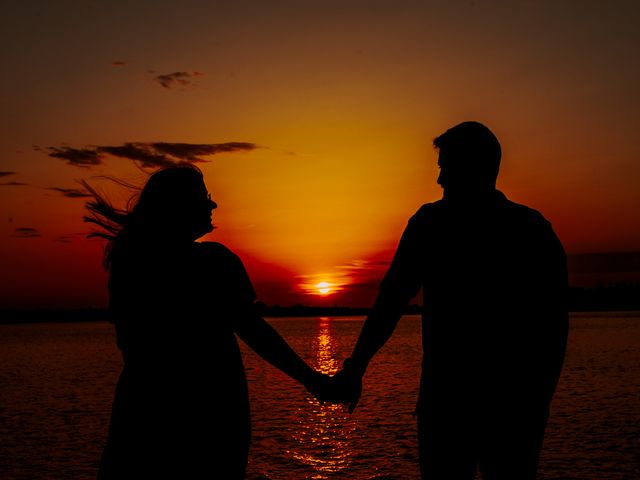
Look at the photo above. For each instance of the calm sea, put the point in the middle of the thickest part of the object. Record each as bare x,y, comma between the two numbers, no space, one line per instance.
57,380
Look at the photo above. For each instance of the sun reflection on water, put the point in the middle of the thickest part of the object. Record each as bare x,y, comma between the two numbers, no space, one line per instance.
327,428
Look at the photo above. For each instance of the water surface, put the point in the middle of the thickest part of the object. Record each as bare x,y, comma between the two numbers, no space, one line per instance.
57,383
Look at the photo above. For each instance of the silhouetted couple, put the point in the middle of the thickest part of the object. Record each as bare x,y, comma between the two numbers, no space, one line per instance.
493,275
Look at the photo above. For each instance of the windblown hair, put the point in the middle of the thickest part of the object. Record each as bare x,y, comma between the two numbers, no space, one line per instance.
145,210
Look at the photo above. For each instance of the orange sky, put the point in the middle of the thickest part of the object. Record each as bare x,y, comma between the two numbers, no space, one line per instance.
342,100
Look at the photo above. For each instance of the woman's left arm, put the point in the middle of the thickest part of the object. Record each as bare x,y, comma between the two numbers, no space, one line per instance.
263,339
254,330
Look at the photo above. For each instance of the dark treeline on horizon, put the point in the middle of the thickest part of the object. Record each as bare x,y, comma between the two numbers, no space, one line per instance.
612,297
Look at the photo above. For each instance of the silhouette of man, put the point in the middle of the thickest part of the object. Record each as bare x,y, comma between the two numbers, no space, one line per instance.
494,323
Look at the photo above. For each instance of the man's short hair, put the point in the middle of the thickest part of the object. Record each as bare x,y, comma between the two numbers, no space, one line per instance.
472,147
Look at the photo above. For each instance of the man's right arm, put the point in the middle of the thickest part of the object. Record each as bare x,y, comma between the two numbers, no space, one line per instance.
400,284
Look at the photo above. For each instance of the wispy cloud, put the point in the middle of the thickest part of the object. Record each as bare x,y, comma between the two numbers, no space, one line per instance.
147,154
14,184
70,192
6,174
118,63
365,265
363,274
78,157
26,232
177,79
139,152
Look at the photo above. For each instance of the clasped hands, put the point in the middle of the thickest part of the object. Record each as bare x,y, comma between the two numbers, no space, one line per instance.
344,387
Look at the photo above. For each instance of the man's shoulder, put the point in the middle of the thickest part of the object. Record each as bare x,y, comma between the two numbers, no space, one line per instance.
524,212
428,210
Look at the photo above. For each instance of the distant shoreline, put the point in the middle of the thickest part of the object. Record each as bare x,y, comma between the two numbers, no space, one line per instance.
619,297
101,314
46,315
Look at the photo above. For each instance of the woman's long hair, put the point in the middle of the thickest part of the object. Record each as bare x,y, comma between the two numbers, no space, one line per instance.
145,211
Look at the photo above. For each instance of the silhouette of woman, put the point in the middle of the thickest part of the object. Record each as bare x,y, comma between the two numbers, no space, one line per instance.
181,407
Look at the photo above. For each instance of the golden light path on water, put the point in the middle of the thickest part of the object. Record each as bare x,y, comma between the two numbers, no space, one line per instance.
326,426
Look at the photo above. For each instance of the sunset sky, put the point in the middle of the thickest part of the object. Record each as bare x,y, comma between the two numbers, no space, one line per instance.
331,107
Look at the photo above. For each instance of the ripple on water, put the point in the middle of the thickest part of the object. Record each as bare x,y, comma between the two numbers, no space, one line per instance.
58,379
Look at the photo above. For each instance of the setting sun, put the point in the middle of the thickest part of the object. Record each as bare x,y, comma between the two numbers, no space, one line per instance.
323,285
324,288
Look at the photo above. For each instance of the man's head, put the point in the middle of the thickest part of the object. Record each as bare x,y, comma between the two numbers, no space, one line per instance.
469,158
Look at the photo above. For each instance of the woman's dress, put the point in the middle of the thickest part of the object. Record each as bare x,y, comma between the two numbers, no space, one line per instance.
181,407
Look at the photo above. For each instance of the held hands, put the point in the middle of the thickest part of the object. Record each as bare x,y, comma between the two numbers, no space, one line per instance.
344,387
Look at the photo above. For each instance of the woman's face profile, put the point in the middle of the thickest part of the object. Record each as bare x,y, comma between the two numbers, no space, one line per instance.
186,209
199,211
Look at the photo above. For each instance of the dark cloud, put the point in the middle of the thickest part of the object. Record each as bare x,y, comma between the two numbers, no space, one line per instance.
14,184
79,157
139,152
118,63
26,232
71,192
190,152
177,79
148,155
6,174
